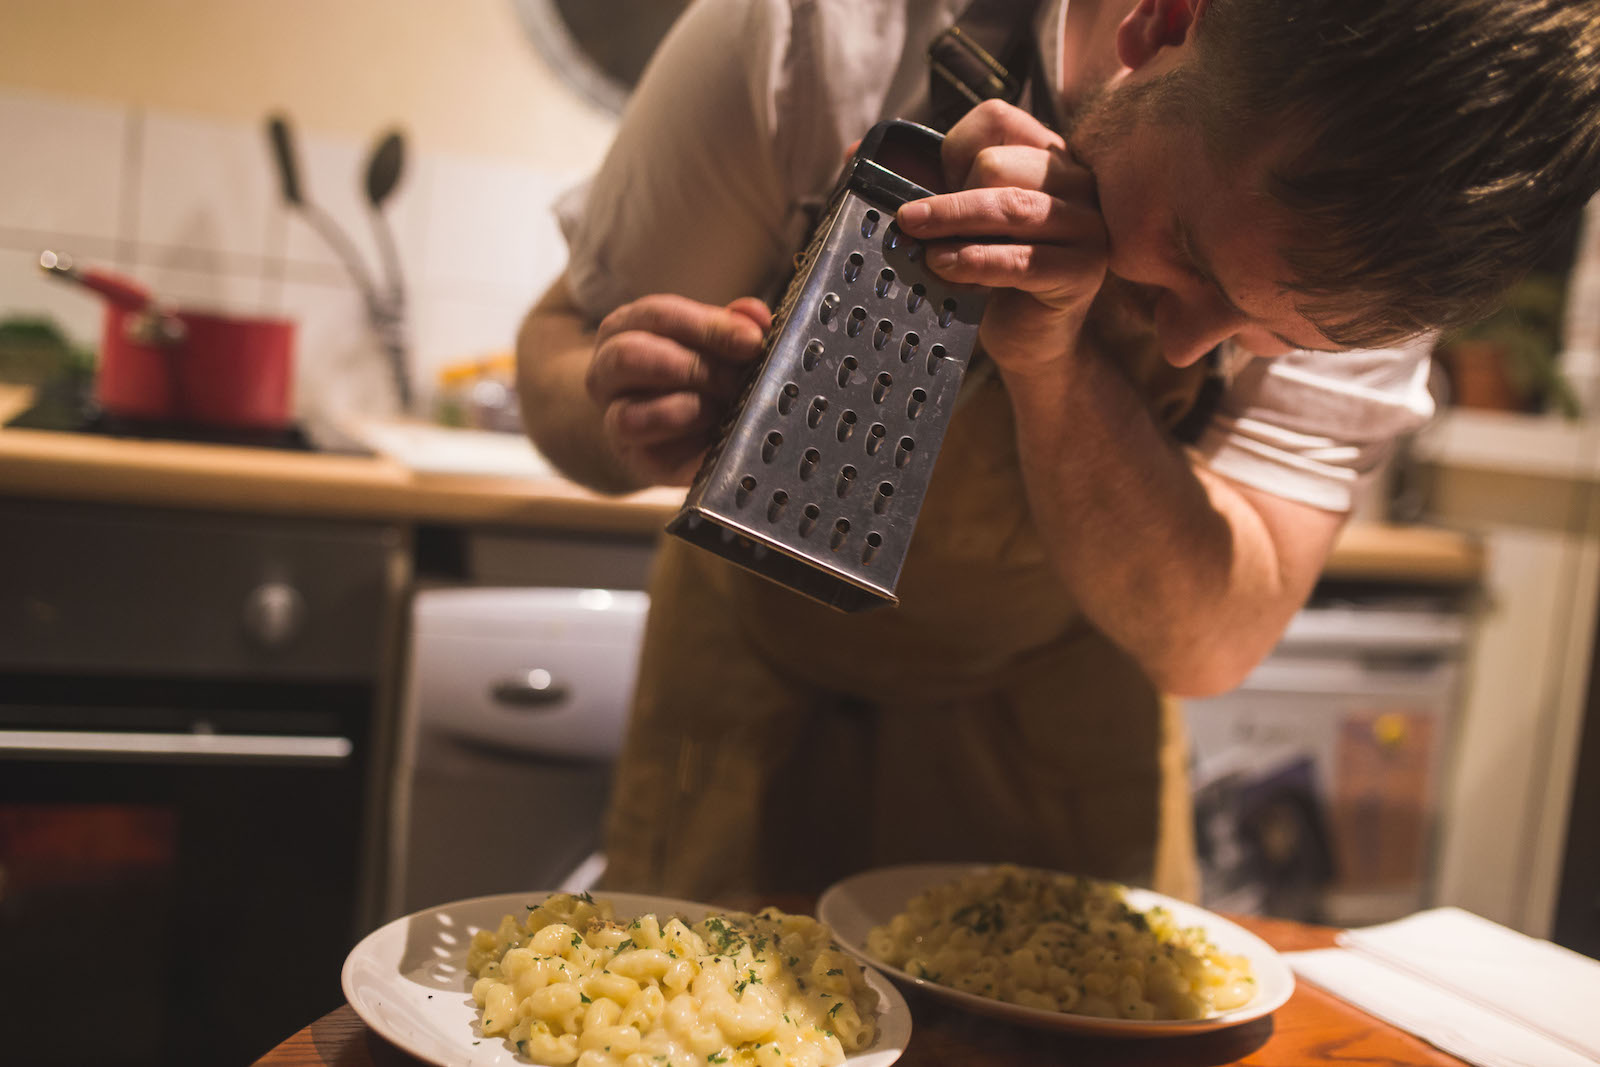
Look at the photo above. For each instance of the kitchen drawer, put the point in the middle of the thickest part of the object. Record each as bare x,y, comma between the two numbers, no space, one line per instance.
103,590
544,671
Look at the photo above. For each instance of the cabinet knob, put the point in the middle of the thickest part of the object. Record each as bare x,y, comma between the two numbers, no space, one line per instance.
274,614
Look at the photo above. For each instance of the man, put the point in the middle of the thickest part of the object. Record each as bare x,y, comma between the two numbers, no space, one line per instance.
1309,190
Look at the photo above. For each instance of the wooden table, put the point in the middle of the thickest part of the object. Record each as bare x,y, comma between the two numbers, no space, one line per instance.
1313,1029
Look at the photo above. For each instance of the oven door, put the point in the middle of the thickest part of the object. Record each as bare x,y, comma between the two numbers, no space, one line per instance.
178,881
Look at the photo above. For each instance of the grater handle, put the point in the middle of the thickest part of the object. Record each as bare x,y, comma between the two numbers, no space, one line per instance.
898,161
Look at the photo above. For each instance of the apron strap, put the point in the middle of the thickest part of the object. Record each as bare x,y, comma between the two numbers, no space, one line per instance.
987,54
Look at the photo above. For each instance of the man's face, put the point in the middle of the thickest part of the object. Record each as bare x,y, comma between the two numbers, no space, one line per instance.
1196,248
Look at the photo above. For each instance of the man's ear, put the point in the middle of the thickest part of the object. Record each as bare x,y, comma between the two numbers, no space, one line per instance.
1154,25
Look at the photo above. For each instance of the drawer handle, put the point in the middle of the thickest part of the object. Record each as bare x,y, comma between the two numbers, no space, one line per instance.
534,691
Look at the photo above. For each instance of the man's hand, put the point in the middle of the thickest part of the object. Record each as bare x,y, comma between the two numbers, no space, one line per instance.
1024,221
664,372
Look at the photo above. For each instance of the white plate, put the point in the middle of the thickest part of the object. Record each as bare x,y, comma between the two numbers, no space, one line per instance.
858,903
408,980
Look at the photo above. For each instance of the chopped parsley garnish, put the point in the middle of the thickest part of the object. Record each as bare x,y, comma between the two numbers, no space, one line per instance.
835,1009
585,897
583,997
717,1057
626,945
794,961
577,940
836,971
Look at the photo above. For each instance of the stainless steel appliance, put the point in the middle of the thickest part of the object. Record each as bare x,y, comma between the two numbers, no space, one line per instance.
1317,781
187,746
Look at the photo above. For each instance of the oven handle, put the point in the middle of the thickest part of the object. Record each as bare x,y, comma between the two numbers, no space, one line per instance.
173,748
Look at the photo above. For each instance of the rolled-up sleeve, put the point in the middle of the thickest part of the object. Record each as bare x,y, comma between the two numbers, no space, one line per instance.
1310,426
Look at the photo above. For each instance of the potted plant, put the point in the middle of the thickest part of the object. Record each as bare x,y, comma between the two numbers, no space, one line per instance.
1510,360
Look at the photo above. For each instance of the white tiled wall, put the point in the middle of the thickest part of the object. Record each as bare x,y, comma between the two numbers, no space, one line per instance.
191,207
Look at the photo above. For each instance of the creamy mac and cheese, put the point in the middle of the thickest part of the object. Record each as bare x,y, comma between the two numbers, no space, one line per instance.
570,983
1060,943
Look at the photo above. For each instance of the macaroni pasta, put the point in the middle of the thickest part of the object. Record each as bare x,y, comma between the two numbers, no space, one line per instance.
570,983
1060,943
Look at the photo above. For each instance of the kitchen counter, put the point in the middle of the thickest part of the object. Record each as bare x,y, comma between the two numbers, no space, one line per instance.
1313,1028
88,467
92,468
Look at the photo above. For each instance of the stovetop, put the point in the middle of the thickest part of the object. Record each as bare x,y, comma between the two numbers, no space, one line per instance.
69,411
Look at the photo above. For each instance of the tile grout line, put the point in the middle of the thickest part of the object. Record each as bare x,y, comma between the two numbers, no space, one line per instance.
127,241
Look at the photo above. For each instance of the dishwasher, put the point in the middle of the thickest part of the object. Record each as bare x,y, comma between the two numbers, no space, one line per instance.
516,706
1317,781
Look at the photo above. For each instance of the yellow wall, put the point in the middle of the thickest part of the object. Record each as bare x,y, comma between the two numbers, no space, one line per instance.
459,75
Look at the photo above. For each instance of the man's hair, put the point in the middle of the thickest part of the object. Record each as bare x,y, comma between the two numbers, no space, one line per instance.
1429,151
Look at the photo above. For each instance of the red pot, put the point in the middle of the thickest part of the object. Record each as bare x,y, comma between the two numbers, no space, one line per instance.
192,366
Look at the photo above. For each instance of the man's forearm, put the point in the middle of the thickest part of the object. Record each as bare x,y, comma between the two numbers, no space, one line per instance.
1172,563
554,347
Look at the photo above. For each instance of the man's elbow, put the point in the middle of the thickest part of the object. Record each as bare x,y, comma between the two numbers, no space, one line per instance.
1205,671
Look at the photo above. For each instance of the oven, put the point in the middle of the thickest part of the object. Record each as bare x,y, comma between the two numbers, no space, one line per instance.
189,758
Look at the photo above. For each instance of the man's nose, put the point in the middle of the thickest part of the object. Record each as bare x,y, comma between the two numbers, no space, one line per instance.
1195,330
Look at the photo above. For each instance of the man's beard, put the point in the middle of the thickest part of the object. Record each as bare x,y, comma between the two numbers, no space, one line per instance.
1121,320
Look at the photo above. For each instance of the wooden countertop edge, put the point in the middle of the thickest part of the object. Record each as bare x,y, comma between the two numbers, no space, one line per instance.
214,477
52,465
1415,553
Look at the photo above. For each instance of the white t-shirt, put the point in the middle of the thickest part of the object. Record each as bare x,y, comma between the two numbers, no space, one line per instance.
743,117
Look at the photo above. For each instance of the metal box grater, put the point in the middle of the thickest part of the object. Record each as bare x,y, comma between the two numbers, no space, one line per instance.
818,476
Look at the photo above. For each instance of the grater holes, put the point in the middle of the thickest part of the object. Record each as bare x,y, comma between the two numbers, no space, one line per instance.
881,335
880,499
830,307
858,319
741,496
869,223
780,501
875,437
847,425
947,311
908,347
847,478
916,296
841,533
812,355
874,542
808,519
847,367
852,267
902,454
881,387
885,283
935,358
769,447
819,407
786,399
919,397
893,237
808,462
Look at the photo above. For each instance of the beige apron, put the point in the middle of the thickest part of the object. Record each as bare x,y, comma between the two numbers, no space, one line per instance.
778,745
